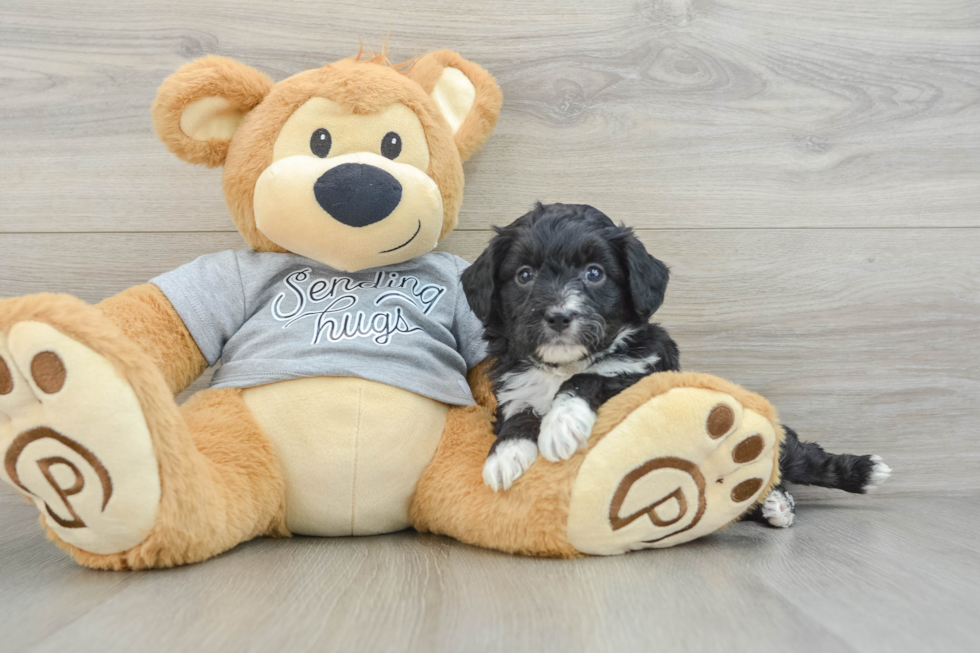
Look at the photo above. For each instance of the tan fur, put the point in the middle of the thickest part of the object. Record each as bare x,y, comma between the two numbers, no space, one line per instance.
212,76
531,517
351,467
614,411
147,318
219,481
381,58
361,86
451,498
483,116
481,387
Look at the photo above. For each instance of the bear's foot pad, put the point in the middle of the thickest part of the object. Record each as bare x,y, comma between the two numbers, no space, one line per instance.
680,466
74,440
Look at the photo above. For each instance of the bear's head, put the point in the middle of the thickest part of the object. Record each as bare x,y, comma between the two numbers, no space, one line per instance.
355,164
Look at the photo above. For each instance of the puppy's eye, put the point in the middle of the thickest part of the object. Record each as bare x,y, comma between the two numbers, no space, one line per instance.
524,275
594,273
391,145
320,143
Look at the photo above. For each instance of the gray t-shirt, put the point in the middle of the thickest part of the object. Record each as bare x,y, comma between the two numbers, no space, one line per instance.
270,317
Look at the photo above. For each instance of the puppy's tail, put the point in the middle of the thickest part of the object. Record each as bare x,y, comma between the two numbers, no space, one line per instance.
806,463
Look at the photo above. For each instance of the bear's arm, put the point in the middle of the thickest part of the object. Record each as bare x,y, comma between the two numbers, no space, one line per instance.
148,318
480,385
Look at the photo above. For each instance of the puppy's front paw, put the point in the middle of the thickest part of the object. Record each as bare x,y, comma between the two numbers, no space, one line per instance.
566,427
509,460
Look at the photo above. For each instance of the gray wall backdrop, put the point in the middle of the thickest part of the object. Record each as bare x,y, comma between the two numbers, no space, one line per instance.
809,170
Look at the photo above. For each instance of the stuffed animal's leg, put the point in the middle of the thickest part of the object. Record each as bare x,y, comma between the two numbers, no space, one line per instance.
452,499
672,458
124,478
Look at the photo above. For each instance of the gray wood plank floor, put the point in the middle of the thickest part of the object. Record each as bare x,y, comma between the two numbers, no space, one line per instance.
853,574
811,172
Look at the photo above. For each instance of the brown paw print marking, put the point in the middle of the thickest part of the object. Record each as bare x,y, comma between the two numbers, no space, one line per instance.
6,379
720,421
48,372
45,464
618,521
748,449
744,490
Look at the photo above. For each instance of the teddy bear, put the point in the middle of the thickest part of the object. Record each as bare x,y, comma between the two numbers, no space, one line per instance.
351,397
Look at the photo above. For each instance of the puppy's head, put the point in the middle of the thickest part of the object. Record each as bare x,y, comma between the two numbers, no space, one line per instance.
561,283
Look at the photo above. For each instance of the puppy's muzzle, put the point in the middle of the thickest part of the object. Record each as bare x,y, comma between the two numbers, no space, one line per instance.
559,319
357,194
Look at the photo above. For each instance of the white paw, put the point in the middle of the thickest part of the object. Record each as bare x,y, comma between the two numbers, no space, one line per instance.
508,462
566,428
879,474
778,509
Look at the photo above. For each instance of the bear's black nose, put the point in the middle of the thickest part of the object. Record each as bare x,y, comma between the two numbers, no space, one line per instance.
357,194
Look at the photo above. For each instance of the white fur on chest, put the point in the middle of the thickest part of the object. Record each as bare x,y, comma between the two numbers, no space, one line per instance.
536,387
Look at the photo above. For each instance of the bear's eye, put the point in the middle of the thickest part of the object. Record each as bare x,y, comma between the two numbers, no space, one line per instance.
524,275
391,145
594,273
320,143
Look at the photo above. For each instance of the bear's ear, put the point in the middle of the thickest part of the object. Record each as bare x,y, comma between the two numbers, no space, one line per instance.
467,96
198,108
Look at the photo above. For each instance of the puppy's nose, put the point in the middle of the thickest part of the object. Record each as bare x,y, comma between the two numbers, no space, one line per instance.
558,320
357,194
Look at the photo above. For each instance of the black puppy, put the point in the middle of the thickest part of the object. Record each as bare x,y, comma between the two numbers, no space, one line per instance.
565,296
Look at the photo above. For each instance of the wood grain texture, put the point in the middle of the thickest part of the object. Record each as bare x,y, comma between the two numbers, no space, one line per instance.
855,575
668,113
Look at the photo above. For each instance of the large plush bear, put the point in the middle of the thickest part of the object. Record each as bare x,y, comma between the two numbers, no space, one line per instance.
349,399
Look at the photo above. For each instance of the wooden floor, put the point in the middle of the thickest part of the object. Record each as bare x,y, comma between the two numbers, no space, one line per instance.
889,574
810,170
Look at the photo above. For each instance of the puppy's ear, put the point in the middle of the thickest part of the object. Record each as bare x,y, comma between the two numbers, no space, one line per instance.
466,95
199,107
480,279
647,277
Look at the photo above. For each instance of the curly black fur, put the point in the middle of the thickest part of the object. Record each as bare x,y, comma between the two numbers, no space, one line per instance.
604,321
557,243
